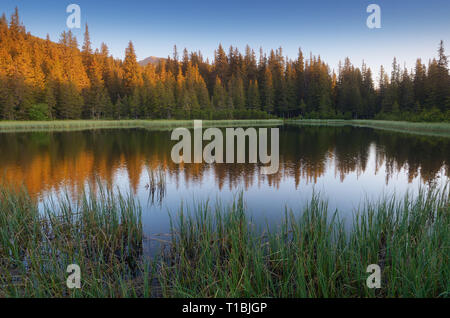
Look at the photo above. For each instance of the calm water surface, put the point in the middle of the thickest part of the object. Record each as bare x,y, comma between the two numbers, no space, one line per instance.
345,164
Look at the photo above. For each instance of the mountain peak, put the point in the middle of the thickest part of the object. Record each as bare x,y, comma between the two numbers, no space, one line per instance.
150,60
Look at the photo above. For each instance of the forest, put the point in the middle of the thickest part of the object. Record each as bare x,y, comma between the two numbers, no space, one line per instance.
45,80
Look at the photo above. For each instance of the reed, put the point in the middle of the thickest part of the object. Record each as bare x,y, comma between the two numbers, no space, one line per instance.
217,250
156,185
102,233
220,253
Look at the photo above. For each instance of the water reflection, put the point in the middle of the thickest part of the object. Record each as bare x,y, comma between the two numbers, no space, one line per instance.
51,161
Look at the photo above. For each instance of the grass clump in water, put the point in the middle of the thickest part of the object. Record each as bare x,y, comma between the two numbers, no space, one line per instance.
102,234
217,251
221,254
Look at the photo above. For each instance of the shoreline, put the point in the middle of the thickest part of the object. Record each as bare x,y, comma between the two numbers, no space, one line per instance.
418,128
74,125
421,128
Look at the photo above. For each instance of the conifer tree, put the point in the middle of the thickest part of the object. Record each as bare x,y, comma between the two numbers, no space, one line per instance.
131,70
219,95
62,81
268,106
253,100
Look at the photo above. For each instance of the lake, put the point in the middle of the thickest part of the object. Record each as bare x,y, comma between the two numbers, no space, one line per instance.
346,165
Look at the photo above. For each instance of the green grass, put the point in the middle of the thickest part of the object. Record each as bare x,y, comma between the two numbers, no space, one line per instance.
438,129
62,125
217,251
103,235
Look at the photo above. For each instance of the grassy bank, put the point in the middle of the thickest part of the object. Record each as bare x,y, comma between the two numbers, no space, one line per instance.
62,125
216,251
439,129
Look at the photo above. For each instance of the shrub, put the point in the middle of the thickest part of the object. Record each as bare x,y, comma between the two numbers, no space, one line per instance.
432,115
39,112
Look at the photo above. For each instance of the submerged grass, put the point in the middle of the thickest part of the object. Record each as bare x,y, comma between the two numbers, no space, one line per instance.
68,125
217,251
156,185
437,129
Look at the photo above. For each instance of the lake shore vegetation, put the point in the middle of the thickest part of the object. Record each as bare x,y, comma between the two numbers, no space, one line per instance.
217,251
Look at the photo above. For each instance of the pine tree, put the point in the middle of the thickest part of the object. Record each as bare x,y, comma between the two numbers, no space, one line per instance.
51,98
131,70
70,102
237,91
15,26
38,76
253,100
268,103
221,64
420,82
6,100
219,95
87,46
406,92
291,91
442,89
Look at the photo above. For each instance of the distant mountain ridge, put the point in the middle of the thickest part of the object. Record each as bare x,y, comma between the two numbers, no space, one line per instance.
150,60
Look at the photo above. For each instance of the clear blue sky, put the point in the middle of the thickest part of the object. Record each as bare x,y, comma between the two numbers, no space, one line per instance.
333,29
